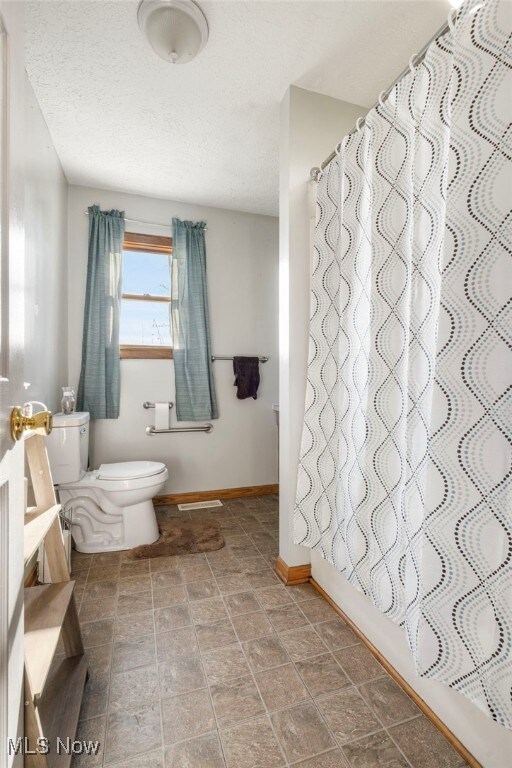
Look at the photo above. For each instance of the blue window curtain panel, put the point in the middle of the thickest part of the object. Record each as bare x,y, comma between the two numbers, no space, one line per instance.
404,480
99,387
195,389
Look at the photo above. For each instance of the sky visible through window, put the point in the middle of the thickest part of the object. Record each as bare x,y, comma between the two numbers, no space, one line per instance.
145,322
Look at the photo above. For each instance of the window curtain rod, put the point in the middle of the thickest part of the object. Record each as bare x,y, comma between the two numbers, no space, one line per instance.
413,62
138,221
145,223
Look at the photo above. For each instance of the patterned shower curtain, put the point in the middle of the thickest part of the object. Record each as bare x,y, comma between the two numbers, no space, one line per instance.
405,481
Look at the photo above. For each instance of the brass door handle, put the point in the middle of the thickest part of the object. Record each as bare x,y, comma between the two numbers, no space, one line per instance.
19,423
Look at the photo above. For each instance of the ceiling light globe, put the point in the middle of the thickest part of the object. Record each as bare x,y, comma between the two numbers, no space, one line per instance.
177,30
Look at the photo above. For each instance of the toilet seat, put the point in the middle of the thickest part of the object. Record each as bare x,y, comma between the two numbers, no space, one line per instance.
155,475
129,470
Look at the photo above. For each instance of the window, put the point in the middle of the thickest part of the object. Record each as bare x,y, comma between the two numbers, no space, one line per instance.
144,330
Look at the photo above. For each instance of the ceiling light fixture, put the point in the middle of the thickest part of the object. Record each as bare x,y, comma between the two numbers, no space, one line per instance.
177,30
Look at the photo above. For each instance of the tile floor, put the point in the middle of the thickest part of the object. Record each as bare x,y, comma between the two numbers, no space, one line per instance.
208,661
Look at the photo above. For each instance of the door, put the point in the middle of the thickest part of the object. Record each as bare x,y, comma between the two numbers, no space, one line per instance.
12,105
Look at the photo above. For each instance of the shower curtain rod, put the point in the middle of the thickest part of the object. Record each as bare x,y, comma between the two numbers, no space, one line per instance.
414,61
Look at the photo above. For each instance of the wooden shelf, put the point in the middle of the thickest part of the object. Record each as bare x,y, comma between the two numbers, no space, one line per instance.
45,610
37,524
53,691
60,706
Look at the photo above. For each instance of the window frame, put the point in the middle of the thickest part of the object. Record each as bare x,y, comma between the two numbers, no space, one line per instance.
134,241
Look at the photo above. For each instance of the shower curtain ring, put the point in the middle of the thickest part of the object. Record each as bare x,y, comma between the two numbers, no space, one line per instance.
358,124
411,62
340,145
451,20
381,98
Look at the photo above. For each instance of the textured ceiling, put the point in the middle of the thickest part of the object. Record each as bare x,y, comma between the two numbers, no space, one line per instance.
207,132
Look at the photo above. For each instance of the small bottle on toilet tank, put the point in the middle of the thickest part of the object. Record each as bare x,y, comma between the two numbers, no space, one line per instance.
67,403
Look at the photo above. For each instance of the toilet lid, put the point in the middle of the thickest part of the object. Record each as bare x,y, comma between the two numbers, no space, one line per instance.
129,470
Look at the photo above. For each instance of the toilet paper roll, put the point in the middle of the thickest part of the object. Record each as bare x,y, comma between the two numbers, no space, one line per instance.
161,415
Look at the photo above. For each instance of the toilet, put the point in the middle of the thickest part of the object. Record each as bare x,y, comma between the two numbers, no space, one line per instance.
109,508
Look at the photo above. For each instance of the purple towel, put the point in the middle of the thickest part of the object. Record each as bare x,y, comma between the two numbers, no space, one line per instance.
247,376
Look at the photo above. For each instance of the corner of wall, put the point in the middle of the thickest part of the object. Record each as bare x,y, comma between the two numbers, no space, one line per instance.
45,189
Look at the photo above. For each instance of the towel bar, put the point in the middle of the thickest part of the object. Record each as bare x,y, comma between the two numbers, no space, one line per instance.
152,431
147,404
223,357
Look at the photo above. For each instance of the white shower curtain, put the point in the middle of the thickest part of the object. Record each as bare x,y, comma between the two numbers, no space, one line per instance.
404,480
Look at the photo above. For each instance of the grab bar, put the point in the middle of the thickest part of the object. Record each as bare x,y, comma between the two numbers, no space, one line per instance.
223,357
147,405
152,431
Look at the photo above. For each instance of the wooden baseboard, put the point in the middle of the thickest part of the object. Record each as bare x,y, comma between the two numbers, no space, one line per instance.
397,677
222,493
292,574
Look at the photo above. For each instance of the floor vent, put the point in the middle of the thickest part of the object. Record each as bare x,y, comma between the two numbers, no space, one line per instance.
200,505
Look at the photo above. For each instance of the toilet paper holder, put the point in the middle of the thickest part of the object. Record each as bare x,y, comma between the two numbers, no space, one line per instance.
152,430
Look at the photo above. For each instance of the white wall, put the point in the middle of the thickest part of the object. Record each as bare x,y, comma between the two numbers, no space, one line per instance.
46,349
311,125
242,268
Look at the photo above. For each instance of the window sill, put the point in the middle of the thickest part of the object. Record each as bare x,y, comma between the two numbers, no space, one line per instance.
139,352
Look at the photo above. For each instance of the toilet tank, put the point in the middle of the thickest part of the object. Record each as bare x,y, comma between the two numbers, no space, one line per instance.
68,447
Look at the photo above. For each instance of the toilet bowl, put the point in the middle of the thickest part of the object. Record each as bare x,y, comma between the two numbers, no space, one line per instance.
109,508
